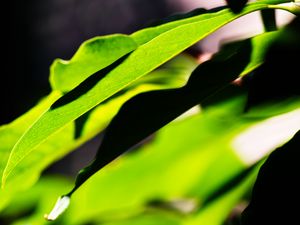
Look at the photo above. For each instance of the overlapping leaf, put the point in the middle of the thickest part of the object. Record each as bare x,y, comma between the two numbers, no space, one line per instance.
97,88
148,112
92,56
99,52
172,74
210,198
160,171
9,135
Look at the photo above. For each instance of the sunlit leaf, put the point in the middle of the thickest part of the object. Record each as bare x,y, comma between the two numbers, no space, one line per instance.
99,52
31,204
9,135
172,74
190,165
195,169
118,75
217,211
157,172
148,112
92,56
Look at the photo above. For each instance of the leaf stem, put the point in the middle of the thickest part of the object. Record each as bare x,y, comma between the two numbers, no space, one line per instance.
293,7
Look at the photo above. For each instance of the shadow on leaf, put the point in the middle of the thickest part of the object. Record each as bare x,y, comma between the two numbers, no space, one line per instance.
147,112
86,85
236,5
278,78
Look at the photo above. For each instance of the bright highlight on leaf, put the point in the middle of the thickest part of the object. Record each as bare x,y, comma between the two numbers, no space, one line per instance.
60,206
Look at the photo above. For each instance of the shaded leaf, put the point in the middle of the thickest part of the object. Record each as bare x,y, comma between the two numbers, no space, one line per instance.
182,161
277,187
160,171
269,19
190,166
260,46
148,112
279,72
236,5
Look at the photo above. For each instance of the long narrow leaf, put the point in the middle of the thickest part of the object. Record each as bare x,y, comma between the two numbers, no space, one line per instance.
97,88
148,112
173,74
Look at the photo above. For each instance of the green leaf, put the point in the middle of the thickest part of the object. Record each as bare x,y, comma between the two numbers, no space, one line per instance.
99,52
157,218
260,46
173,74
217,211
92,56
145,35
35,197
190,166
9,135
98,88
181,162
160,170
271,73
150,111
273,1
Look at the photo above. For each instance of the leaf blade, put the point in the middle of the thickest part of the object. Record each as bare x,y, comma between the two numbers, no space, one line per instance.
92,56
148,112
131,69
174,74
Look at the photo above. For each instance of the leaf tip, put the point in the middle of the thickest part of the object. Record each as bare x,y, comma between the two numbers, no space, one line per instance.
60,206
